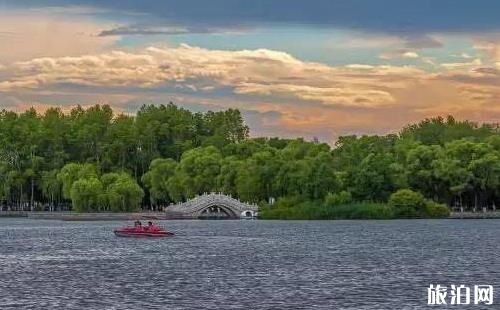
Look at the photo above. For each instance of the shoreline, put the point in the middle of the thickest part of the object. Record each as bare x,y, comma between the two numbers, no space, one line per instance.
72,216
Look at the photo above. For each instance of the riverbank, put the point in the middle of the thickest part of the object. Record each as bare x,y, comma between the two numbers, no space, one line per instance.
312,211
402,204
72,216
379,212
475,215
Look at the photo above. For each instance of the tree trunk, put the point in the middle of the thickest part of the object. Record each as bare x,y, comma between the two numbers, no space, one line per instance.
32,193
21,199
475,201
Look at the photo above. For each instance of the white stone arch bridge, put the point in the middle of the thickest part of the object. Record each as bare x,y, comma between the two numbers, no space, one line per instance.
213,205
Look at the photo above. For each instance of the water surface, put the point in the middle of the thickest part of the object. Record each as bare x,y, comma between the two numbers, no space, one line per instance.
244,264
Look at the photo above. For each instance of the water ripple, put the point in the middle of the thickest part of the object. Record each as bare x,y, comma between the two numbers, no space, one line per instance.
243,264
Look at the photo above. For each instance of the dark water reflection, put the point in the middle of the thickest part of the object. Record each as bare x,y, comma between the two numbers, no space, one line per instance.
244,264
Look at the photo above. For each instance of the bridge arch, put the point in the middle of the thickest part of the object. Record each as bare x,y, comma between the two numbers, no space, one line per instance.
208,205
248,214
217,211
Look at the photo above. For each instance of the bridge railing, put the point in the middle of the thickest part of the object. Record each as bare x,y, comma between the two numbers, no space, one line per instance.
207,198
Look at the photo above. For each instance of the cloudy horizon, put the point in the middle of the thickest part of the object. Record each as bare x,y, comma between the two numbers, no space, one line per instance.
313,69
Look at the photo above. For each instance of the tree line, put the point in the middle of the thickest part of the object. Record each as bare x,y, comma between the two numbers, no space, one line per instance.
96,160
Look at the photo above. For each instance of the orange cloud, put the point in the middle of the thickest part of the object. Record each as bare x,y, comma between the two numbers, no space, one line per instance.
291,96
25,35
251,72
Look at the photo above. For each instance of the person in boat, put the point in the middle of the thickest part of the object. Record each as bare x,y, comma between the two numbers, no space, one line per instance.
138,225
151,226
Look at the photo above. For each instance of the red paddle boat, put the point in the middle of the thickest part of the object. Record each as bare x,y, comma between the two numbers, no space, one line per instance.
143,231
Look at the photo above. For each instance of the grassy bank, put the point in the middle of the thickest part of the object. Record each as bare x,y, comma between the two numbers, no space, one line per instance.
311,211
404,203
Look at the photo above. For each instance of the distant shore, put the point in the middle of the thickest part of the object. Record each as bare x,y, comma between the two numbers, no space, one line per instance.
475,215
72,216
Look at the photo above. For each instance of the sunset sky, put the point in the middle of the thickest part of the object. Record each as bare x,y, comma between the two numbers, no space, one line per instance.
310,68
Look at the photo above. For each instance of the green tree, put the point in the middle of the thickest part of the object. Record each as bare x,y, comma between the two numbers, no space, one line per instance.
198,170
73,172
122,192
256,176
407,203
87,195
156,179
375,178
119,148
87,132
420,168
51,187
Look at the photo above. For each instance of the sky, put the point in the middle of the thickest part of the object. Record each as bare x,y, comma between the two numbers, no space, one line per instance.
316,68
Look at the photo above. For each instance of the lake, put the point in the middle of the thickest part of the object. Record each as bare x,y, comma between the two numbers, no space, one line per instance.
244,264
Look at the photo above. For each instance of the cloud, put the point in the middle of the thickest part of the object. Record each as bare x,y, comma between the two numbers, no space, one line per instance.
362,40
142,31
152,30
247,72
399,53
289,96
391,16
488,71
325,95
490,48
422,41
149,30
26,35
410,55
462,65
68,10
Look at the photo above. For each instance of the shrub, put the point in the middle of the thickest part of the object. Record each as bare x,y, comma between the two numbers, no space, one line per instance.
287,202
407,203
333,199
362,210
436,210
285,210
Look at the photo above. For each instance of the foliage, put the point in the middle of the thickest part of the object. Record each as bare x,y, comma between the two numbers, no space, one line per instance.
86,194
335,199
117,192
122,192
156,179
73,172
407,203
436,210
163,154
289,209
